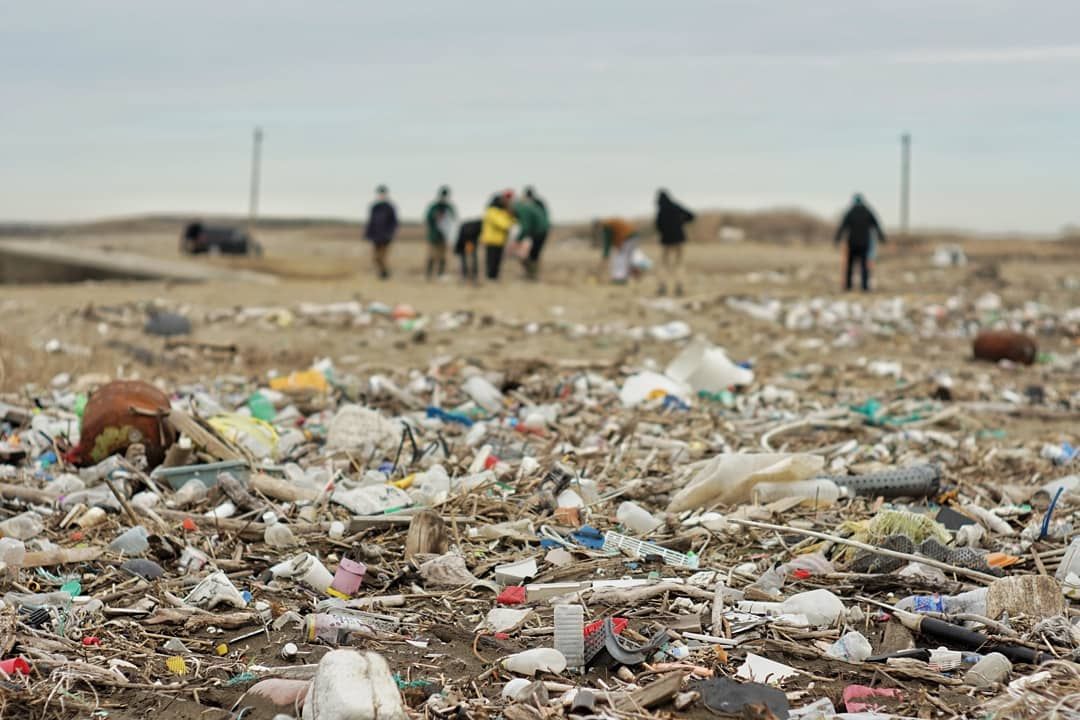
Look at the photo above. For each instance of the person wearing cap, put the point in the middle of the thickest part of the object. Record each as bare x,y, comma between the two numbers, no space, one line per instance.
533,222
440,219
860,225
495,231
670,219
381,226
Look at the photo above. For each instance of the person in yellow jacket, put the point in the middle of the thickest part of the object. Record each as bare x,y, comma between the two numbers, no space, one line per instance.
495,231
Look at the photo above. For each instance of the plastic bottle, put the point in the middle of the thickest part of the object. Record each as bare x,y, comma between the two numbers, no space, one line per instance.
1070,564
99,496
431,487
971,602
93,474
57,598
133,541
476,434
992,669
483,393
276,533
192,492
25,526
820,607
335,629
820,492
636,519
12,552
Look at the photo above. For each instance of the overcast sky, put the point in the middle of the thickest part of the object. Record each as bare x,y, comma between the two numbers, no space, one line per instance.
130,106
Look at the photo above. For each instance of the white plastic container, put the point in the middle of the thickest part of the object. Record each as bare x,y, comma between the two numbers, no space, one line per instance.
569,634
817,493
636,519
306,568
530,662
483,393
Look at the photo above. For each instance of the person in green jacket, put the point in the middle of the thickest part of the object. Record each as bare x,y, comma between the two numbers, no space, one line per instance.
440,220
532,219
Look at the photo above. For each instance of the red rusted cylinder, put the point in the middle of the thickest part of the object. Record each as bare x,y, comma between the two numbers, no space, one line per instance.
994,345
122,413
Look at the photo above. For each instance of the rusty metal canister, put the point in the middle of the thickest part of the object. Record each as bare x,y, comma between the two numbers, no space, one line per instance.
995,345
122,413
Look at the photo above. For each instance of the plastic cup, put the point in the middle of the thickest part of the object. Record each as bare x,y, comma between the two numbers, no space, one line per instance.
349,576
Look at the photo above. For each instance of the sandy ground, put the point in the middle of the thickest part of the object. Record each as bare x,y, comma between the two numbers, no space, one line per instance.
570,315
328,265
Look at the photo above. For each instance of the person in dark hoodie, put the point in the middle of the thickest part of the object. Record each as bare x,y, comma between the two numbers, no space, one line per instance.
670,219
381,226
860,225
440,219
468,239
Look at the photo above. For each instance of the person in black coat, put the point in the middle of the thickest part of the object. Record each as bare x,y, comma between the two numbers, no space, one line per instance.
468,239
381,226
860,225
670,219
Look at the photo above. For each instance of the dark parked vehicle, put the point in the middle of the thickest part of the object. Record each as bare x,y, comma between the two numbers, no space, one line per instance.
200,238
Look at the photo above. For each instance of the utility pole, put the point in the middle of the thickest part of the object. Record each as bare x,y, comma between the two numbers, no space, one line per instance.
256,162
905,182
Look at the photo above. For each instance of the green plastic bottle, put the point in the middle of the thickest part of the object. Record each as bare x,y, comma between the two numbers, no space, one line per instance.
261,407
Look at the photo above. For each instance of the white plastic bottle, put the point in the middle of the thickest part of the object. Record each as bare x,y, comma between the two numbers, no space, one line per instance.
277,534
12,552
25,526
192,492
973,602
820,492
636,519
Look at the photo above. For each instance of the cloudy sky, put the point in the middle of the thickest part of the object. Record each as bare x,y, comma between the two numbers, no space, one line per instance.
117,107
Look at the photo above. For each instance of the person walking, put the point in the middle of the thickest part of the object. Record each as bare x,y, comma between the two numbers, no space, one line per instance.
533,223
532,263
439,219
381,226
495,231
860,225
670,219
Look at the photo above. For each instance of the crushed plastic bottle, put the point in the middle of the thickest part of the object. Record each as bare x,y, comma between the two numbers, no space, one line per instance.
24,526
